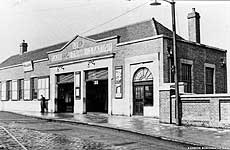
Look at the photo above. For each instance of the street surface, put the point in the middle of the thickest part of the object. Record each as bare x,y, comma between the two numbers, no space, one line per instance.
36,134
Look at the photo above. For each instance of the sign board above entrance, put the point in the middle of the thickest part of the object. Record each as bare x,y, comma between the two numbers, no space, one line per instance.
27,66
90,51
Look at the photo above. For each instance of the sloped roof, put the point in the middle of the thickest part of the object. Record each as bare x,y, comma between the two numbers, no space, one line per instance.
136,31
165,31
31,55
131,32
128,33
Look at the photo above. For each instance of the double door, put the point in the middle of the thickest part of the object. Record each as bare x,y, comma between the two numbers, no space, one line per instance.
142,96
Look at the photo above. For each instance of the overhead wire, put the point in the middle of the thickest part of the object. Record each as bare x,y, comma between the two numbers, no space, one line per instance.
114,18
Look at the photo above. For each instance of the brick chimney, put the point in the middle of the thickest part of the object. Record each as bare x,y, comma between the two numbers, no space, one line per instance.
194,26
23,47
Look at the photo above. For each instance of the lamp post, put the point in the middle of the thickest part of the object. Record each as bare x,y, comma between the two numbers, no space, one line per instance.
177,96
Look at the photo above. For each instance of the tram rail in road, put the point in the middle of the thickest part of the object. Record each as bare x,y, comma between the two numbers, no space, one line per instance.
13,137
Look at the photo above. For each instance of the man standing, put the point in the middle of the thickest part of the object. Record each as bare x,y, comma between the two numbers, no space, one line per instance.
43,104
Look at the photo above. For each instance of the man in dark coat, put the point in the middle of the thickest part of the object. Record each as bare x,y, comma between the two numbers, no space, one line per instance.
43,104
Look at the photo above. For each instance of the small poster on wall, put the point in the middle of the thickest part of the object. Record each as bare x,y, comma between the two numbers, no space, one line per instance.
78,85
118,82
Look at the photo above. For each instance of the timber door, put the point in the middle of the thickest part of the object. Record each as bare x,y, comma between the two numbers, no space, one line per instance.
138,100
142,90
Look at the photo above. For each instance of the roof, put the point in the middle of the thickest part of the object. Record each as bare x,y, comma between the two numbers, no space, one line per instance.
127,33
31,55
136,31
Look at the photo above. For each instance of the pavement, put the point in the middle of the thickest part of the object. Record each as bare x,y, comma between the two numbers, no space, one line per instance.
200,137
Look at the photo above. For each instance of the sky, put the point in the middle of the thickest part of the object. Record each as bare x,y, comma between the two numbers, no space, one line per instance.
46,22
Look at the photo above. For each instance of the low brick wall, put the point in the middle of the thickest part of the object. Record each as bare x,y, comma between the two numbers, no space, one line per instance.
210,110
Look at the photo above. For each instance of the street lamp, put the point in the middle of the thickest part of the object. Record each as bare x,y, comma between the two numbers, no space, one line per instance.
177,96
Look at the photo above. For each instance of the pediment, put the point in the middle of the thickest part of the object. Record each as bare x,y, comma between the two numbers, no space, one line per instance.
78,48
78,43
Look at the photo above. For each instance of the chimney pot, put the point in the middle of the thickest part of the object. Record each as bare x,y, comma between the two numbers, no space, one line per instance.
23,47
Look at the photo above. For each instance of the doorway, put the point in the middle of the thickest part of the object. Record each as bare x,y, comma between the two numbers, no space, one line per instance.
97,96
97,91
65,95
142,90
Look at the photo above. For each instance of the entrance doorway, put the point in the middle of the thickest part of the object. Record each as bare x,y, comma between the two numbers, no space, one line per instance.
142,90
65,100
97,91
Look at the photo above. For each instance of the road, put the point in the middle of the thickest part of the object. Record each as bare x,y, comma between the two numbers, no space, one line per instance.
36,134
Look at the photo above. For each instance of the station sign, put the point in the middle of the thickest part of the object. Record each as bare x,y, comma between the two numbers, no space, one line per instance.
78,53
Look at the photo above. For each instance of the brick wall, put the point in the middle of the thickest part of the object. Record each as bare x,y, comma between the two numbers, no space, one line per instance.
210,110
199,54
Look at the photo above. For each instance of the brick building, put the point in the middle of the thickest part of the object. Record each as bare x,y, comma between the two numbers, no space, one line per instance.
116,72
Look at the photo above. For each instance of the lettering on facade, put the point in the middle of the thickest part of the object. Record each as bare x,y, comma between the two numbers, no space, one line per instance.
77,45
118,81
81,52
28,66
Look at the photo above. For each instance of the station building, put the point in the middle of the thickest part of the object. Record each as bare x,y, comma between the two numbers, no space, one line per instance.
116,72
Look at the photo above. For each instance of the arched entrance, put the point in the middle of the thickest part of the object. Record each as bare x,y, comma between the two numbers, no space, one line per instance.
142,90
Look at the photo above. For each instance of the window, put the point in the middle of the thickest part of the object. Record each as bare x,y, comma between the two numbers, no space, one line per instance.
148,95
143,74
3,93
20,89
14,90
9,90
43,87
26,89
187,77
34,88
209,80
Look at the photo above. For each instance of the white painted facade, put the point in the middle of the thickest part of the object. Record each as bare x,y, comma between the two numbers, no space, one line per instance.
82,66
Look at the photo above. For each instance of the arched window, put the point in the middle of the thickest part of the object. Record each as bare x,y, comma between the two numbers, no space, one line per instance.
143,74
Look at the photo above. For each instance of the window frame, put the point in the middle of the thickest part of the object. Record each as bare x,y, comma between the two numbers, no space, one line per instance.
9,90
20,89
187,62
3,90
208,65
40,78
25,90
34,88
15,90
